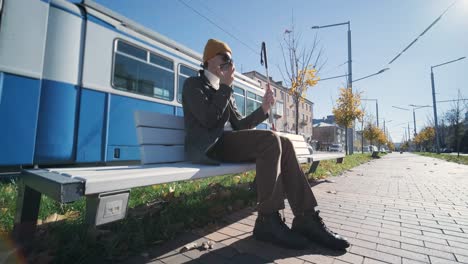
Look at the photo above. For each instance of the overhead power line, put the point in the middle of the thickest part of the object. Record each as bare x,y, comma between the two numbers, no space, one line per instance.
219,27
424,32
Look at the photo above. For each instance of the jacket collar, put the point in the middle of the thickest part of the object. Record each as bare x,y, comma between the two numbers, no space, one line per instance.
207,81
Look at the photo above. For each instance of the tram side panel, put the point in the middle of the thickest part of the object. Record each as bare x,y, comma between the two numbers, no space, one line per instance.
60,89
23,27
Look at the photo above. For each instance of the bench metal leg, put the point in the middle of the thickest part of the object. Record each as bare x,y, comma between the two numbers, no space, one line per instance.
339,160
27,211
314,166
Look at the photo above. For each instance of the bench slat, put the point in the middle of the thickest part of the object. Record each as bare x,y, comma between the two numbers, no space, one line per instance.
100,180
292,137
301,151
160,136
151,154
152,119
327,156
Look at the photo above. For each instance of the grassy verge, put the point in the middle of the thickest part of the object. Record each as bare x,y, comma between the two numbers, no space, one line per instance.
156,214
447,157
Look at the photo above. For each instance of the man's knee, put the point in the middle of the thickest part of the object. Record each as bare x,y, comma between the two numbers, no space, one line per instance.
271,140
286,142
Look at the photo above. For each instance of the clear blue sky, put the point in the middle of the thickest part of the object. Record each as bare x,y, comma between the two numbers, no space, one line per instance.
380,30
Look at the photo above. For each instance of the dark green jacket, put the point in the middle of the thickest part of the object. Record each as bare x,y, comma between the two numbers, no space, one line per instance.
206,110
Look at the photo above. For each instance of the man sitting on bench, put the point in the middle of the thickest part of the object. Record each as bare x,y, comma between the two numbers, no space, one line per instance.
209,105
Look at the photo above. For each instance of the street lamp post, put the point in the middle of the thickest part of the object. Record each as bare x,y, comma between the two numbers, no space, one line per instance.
388,121
434,101
416,107
350,76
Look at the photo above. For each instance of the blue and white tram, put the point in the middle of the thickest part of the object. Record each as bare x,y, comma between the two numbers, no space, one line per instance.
71,76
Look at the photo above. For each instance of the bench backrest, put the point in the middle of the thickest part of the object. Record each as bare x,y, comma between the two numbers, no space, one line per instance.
160,136
300,145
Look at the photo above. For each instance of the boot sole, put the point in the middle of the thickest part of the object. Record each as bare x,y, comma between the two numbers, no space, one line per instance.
320,242
269,238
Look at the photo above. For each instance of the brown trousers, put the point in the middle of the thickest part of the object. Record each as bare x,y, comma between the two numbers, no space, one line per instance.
279,174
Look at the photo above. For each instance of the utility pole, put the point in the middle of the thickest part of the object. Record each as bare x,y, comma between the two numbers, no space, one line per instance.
434,101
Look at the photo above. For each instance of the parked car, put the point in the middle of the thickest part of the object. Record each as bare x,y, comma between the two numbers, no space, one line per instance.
446,150
383,150
335,148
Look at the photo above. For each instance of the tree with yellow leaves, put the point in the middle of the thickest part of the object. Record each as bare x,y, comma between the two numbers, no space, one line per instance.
371,133
425,138
347,110
390,145
298,72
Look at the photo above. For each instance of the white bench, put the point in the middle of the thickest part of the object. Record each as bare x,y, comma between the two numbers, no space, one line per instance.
106,188
304,156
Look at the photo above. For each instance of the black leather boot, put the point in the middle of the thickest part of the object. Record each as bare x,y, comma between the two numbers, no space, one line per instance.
312,226
270,228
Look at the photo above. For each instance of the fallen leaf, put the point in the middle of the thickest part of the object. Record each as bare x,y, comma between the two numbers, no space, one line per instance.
54,218
236,179
188,247
72,215
332,192
207,245
171,189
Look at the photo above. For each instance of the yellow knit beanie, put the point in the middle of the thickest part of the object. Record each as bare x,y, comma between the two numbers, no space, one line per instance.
214,47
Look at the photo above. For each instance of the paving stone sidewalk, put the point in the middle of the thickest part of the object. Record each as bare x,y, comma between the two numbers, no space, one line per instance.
402,208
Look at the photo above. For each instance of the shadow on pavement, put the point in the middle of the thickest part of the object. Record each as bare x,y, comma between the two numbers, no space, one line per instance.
236,247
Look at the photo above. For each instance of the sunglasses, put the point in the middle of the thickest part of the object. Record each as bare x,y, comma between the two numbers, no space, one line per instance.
228,61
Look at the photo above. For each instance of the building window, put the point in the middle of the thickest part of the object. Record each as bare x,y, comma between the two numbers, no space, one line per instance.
138,71
253,102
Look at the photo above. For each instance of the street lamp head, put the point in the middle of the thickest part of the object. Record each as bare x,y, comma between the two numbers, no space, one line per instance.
401,108
383,70
315,27
419,106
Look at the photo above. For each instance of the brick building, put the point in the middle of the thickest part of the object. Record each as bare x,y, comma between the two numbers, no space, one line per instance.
284,111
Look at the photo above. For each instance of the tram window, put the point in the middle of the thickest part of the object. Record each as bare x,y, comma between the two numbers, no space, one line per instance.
184,73
131,50
135,76
163,62
250,105
239,91
239,96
